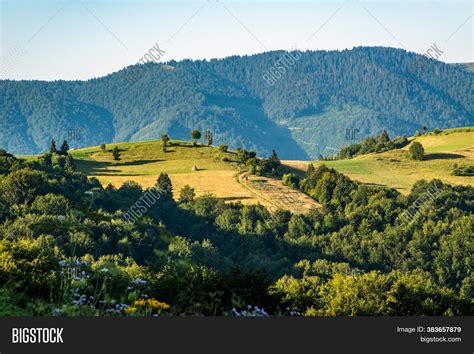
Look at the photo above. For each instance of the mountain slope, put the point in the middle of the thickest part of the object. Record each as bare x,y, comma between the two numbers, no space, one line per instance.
396,170
305,113
142,162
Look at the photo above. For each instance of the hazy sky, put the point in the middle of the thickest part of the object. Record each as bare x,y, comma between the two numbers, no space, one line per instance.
48,40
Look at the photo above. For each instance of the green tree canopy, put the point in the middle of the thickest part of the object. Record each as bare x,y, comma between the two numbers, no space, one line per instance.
116,153
164,185
416,151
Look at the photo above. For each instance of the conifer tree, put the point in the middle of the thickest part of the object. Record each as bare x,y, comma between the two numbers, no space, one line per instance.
64,148
116,154
164,186
52,148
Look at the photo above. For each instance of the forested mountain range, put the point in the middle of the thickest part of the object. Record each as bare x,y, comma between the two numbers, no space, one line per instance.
308,111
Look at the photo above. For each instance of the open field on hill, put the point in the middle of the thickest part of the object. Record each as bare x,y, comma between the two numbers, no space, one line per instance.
278,196
143,162
450,140
394,168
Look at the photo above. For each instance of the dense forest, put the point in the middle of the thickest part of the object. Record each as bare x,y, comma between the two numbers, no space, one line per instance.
66,248
305,111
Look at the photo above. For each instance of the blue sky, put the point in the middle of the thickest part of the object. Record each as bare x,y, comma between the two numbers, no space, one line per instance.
48,40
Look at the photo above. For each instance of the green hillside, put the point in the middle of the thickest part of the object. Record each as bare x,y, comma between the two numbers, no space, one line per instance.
395,169
202,167
143,162
144,158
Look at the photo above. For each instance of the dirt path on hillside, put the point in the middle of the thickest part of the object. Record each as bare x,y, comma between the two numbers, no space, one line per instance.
277,195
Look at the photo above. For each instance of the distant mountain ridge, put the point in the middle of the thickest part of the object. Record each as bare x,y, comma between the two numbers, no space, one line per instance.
321,97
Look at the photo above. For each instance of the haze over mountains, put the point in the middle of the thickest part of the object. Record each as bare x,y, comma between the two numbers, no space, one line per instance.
307,112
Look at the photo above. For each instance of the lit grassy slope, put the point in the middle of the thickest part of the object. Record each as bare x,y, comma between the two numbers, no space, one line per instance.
144,161
395,169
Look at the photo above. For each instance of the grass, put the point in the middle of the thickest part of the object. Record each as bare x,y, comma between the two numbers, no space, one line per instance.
142,162
149,159
395,169
449,141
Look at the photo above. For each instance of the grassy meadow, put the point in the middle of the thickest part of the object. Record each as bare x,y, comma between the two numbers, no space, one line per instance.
395,169
142,162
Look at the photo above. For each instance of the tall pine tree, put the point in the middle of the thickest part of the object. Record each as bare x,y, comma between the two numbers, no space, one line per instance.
164,186
64,148
52,148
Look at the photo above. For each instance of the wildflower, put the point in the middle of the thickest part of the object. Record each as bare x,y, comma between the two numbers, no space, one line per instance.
57,311
152,303
131,309
104,270
250,311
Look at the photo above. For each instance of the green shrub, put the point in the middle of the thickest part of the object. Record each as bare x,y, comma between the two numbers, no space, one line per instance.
290,180
52,204
416,151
